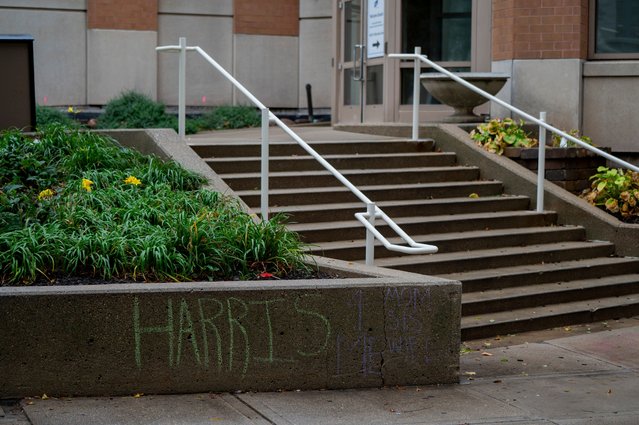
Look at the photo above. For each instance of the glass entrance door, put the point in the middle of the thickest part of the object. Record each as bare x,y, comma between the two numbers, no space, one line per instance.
361,60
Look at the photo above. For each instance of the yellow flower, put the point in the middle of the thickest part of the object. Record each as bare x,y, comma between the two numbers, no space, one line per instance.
46,194
132,180
86,185
70,109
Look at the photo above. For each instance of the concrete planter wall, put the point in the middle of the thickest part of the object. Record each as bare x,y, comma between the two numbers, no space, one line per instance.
568,168
384,328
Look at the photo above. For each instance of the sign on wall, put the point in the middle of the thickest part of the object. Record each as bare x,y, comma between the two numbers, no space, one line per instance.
375,29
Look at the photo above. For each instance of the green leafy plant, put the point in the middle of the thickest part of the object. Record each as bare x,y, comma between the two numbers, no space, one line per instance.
616,191
78,204
556,139
46,116
229,117
136,110
497,134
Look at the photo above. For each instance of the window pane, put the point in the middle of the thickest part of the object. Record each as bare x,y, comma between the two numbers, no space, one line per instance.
456,39
351,88
352,25
617,26
375,85
441,27
425,97
457,6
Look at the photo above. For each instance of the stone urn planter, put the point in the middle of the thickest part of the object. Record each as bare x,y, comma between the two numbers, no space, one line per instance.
463,99
569,168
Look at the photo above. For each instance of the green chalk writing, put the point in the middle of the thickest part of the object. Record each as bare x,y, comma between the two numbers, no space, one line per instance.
138,330
186,329
207,322
315,314
234,322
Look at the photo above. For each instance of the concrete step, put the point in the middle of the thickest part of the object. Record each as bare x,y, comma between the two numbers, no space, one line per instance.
353,229
530,274
402,208
378,193
343,161
535,318
253,148
452,242
438,264
321,178
486,302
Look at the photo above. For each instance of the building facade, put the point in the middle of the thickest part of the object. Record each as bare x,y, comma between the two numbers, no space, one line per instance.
578,60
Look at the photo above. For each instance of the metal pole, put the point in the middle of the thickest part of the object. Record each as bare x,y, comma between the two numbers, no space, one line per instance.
309,101
416,93
182,89
264,175
370,238
541,164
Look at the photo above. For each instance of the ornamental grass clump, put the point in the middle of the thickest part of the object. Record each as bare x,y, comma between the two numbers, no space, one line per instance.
615,191
497,134
76,204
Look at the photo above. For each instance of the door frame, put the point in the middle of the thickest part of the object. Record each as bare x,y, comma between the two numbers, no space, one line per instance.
392,110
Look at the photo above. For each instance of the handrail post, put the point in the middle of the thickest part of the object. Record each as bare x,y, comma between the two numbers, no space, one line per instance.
541,164
370,238
182,89
416,92
265,158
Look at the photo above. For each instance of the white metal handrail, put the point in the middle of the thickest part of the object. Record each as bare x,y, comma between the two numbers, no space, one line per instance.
367,218
418,57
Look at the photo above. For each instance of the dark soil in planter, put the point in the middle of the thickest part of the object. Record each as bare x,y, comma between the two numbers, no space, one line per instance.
62,280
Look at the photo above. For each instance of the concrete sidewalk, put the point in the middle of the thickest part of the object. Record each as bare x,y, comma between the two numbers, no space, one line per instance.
592,378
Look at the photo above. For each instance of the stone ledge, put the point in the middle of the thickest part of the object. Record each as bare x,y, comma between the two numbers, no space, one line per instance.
382,328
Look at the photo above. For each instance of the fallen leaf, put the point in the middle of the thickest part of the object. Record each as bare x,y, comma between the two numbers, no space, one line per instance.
138,395
44,397
486,354
470,373
473,195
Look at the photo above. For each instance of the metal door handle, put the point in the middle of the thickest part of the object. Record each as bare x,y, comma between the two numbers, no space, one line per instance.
358,71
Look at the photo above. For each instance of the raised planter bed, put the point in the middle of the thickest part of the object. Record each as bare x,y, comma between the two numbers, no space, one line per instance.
569,168
382,328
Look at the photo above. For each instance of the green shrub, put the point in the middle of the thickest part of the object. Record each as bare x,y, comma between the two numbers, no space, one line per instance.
230,117
77,204
46,116
615,191
496,135
135,110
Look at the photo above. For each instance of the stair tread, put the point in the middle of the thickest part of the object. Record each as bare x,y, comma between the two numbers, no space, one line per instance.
365,188
505,272
191,141
434,237
369,171
487,253
399,202
548,288
330,156
537,313
299,227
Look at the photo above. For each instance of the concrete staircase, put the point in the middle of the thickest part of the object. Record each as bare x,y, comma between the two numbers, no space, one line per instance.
520,270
